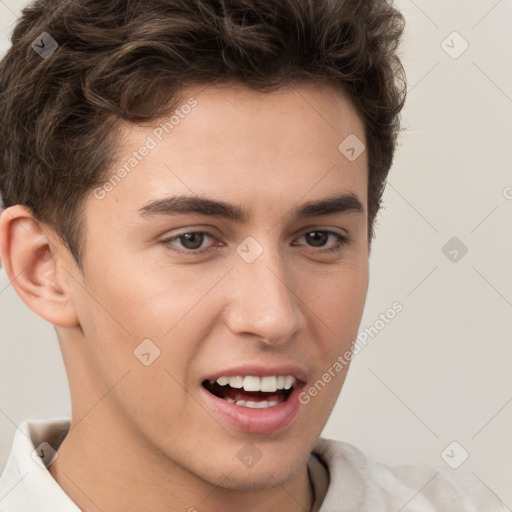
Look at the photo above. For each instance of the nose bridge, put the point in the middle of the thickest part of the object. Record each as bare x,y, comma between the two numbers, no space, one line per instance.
264,301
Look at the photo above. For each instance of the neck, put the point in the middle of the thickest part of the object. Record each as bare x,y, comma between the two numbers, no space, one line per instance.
103,467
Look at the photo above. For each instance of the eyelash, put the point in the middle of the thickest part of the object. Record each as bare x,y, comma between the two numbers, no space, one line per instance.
342,241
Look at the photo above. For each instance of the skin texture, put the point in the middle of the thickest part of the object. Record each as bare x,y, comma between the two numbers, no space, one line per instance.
142,437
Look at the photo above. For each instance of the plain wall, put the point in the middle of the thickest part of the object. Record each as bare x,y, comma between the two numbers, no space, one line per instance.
440,370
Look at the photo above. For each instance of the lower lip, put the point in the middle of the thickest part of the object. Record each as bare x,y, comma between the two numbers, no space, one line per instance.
256,421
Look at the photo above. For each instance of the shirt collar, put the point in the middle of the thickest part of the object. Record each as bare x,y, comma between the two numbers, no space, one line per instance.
26,484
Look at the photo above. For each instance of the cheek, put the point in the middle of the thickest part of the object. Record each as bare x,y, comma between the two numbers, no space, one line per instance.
172,309
336,315
150,299
122,334
339,297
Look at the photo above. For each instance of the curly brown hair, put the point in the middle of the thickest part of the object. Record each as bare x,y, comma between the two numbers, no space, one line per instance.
127,60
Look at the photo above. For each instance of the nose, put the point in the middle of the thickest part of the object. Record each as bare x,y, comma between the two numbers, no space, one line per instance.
265,300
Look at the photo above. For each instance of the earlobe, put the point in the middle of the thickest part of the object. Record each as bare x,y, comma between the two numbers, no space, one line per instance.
29,258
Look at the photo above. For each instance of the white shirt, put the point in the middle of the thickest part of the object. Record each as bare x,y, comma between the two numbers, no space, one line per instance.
344,479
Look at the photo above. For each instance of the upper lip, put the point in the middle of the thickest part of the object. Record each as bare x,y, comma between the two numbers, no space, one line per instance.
260,371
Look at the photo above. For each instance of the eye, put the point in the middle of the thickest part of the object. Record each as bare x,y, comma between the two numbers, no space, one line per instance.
319,238
190,241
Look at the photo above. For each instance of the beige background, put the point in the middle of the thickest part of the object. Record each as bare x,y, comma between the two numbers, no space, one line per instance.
440,371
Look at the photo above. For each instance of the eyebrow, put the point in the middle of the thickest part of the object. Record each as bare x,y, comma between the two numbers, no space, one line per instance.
187,205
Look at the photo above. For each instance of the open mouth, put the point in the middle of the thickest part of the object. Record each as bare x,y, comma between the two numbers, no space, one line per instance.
250,391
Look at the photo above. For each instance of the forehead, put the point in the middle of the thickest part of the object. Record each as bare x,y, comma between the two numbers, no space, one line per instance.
261,149
235,117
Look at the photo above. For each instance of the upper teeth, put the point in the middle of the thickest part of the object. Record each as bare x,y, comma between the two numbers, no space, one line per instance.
251,383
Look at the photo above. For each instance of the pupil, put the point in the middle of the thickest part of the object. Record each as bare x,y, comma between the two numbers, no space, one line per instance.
318,237
194,238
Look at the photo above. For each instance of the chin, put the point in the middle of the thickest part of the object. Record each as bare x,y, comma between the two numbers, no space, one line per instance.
251,479
274,469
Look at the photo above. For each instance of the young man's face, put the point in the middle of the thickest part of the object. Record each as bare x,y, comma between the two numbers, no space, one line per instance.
274,294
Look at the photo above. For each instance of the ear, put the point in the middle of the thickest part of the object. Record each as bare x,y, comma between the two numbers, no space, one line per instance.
28,254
